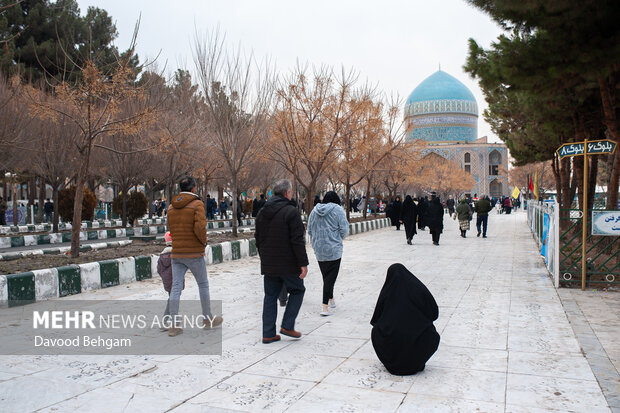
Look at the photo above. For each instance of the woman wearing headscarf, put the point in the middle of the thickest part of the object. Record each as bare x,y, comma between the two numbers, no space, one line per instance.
397,207
408,214
434,219
463,213
422,207
327,227
403,334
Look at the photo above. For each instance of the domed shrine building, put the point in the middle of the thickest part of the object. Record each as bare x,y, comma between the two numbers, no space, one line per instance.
442,113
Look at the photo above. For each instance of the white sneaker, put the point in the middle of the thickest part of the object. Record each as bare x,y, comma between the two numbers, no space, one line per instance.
326,312
332,303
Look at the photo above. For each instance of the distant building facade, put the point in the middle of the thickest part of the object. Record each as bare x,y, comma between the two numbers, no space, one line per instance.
442,112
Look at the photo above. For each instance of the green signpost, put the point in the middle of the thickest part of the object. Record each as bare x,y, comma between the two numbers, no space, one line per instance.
585,148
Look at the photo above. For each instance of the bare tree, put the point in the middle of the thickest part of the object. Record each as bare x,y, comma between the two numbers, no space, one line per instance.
374,132
92,102
53,156
238,94
311,113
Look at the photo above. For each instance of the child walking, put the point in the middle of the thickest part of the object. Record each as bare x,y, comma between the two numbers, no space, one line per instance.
164,268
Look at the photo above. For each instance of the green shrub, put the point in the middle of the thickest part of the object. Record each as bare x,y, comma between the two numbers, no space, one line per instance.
66,198
137,206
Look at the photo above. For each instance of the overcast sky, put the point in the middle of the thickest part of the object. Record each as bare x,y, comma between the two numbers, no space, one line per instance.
393,43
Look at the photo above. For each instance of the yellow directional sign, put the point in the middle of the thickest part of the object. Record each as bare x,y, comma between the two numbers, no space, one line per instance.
594,147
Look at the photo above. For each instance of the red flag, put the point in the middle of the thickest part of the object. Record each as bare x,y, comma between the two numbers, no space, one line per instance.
531,185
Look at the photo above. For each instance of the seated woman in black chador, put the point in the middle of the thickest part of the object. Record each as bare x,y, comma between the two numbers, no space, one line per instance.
403,334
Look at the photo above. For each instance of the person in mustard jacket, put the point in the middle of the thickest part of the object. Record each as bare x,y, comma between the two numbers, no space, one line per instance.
188,226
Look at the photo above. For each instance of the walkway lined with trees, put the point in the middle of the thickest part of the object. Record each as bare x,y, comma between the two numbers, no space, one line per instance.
506,341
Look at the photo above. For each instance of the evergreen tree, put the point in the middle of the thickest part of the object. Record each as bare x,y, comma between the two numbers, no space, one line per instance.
51,39
553,79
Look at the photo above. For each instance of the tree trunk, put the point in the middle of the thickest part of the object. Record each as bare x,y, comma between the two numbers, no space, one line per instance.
151,197
578,172
608,98
56,217
311,189
77,205
15,209
170,189
347,195
558,181
32,190
235,205
368,183
124,206
614,174
592,177
42,195
572,189
566,200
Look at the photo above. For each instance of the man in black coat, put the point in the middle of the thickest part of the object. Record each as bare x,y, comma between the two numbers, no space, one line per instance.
482,208
450,205
259,204
210,206
48,207
283,260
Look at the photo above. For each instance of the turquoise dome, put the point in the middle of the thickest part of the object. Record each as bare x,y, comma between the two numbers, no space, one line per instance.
439,86
441,109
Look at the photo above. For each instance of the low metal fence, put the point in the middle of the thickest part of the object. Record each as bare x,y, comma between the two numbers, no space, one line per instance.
559,235
543,218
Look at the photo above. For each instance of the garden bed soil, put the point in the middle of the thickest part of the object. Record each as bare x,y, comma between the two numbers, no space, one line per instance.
136,248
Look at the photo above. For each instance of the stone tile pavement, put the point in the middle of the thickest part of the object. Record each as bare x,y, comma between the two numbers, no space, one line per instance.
507,344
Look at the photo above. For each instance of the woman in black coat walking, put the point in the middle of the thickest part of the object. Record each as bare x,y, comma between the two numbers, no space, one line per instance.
434,219
408,214
422,206
397,207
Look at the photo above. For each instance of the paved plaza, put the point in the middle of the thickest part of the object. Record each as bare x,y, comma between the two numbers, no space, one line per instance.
507,344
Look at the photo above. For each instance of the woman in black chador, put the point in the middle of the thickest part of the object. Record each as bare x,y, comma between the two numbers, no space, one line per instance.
397,206
408,215
422,206
403,334
434,219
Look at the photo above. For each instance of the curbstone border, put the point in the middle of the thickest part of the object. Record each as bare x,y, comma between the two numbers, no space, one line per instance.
10,229
24,229
16,241
28,287
38,285
8,256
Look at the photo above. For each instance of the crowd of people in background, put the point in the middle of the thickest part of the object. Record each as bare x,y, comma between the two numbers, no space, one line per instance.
159,207
422,212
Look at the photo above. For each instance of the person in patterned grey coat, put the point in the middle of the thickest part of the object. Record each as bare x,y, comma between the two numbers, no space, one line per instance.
327,227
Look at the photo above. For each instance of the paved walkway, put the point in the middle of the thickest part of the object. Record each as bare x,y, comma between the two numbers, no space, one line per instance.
506,342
